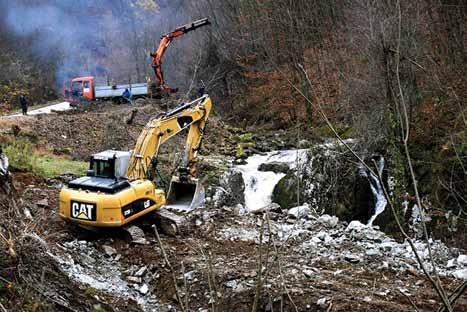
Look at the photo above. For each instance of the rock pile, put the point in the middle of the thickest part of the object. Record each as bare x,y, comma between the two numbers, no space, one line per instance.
84,263
325,237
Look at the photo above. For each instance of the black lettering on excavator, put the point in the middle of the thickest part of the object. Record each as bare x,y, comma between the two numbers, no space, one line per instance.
184,121
136,206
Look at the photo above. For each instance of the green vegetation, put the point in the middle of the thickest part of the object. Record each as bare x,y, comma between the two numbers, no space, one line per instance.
23,157
20,155
345,131
90,292
49,167
246,138
97,308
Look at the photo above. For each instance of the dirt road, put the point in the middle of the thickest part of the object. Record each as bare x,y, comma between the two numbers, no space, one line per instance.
63,106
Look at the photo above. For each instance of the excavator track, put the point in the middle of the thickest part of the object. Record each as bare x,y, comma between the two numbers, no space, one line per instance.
170,223
136,234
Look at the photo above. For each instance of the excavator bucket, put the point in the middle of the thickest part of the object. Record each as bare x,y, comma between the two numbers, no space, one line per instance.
185,195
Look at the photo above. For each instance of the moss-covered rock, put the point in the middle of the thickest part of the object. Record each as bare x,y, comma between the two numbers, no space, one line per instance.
275,167
240,152
245,149
285,191
246,137
232,129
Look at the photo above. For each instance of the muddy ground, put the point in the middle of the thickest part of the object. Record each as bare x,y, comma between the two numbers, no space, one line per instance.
222,249
95,127
214,263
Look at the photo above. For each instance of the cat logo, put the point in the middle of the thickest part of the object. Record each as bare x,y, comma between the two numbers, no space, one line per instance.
83,211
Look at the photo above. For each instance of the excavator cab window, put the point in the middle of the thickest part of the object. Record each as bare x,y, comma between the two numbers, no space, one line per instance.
103,168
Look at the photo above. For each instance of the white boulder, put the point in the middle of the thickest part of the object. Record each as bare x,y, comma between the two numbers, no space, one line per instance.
460,274
355,226
327,220
462,260
299,212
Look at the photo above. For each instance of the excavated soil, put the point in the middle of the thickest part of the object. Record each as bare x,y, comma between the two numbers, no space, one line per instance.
96,127
211,268
296,281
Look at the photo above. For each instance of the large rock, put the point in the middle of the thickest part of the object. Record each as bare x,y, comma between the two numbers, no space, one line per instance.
329,221
272,207
275,167
355,226
285,191
300,212
460,274
462,260
231,190
364,200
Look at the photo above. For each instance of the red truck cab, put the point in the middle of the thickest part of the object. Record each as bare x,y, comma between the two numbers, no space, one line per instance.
80,88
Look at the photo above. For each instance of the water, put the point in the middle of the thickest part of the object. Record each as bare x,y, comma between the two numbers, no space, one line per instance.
377,191
259,185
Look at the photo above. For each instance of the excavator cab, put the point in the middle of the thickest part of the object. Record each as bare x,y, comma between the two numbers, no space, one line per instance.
106,173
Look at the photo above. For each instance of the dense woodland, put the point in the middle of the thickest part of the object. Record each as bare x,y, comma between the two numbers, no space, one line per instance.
280,64
389,75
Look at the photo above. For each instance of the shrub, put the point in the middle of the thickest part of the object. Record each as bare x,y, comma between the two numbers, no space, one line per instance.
20,155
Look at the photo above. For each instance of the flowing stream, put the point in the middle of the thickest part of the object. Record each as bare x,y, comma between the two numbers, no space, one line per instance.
259,185
377,191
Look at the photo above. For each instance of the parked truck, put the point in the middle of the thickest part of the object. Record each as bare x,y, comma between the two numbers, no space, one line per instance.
82,89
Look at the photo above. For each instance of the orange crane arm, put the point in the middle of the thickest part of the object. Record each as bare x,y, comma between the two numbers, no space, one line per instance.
166,39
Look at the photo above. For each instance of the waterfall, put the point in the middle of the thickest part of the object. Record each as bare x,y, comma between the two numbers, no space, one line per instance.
259,185
377,190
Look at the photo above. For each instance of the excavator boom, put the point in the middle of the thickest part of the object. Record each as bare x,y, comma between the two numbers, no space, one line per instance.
166,39
119,186
191,116
189,27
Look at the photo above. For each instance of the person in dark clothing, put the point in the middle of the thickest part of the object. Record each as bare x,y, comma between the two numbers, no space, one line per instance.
24,104
127,95
201,91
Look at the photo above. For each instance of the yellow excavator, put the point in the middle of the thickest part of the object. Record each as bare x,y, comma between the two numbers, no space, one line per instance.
120,186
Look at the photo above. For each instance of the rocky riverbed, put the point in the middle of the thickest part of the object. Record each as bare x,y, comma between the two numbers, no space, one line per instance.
302,258
306,256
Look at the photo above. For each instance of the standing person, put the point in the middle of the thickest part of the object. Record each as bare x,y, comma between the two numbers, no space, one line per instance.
24,104
127,95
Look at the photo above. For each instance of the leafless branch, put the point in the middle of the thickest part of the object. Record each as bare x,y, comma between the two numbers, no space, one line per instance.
438,284
279,262
259,270
172,271
456,294
211,280
410,300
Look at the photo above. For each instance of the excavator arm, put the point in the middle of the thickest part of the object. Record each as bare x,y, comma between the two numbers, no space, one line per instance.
119,186
191,116
166,39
